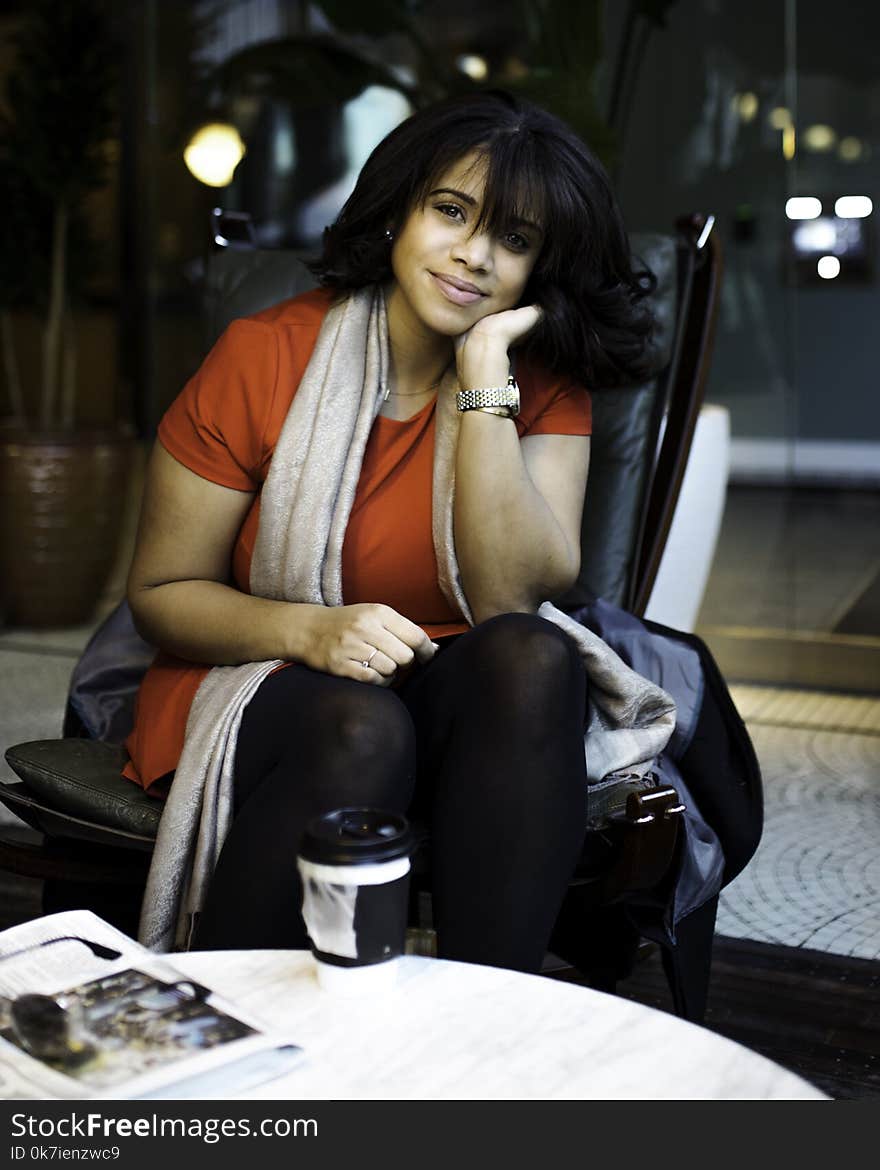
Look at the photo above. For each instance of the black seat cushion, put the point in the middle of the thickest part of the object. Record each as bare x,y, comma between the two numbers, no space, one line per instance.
81,777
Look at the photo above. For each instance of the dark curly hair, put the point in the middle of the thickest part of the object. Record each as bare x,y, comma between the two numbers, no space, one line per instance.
597,322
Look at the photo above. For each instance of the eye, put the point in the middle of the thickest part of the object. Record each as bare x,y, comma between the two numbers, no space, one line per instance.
451,210
516,241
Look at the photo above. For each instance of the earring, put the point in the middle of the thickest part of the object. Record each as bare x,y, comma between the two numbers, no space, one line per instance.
389,235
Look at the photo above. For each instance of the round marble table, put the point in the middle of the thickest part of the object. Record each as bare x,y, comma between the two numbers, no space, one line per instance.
456,1031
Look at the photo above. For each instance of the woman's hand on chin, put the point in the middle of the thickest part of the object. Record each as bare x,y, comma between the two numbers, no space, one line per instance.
481,353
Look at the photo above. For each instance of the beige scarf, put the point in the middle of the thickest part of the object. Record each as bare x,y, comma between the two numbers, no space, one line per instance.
305,505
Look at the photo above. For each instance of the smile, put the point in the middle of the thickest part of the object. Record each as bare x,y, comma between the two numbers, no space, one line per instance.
459,292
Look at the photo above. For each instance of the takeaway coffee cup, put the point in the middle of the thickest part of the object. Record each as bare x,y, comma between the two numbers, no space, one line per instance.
354,864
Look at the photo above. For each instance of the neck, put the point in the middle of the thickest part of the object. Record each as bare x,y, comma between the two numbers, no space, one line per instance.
419,357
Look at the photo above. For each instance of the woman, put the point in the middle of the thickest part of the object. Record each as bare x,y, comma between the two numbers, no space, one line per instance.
360,491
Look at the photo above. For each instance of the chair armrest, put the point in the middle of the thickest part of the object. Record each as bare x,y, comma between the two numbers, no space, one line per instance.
643,839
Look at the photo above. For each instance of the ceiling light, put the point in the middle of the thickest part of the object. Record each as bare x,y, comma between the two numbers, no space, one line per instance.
828,267
853,207
815,235
213,153
850,149
746,105
819,137
475,67
780,118
803,207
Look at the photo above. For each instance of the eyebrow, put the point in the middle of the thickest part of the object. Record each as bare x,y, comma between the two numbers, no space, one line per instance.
471,202
469,199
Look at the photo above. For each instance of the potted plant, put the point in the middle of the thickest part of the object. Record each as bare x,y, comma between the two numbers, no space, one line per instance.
62,483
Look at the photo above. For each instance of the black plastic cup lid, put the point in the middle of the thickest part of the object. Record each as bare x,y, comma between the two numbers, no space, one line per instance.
357,835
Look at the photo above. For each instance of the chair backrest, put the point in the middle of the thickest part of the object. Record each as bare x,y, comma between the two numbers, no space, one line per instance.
241,281
622,454
700,270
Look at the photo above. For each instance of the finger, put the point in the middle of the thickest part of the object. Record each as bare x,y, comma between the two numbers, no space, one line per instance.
427,651
370,675
393,650
418,646
382,664
366,674
524,320
530,313
410,635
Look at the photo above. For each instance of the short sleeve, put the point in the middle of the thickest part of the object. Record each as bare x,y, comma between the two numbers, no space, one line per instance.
551,404
568,412
217,424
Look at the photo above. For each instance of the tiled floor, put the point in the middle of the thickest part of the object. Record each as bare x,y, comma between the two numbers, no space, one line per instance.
33,685
815,879
35,668
792,567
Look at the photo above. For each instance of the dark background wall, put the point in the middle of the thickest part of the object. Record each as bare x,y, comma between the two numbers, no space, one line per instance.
792,362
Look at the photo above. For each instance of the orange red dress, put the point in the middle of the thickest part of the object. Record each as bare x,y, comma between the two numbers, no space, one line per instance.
224,426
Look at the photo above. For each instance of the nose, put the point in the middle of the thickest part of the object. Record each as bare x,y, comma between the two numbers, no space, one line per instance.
474,251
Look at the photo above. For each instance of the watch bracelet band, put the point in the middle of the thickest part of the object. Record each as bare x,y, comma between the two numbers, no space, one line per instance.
490,396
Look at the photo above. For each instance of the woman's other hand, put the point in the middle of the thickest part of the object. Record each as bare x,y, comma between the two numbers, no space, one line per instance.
368,642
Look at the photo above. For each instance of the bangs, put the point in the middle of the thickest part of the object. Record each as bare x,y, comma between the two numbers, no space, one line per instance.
516,192
516,188
530,179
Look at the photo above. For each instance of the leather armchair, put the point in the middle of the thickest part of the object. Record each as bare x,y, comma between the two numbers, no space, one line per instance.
94,831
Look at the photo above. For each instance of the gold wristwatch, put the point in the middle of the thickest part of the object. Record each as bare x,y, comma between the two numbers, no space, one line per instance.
501,400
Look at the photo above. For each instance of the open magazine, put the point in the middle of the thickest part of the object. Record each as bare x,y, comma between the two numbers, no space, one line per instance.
87,1012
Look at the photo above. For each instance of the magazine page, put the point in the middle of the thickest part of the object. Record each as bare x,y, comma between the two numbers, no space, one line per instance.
87,1012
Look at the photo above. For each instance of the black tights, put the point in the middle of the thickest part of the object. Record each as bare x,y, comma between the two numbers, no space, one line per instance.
485,744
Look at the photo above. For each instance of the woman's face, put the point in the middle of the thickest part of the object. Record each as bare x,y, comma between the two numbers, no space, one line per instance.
447,276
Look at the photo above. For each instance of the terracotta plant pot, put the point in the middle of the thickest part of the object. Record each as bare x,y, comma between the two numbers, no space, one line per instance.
62,503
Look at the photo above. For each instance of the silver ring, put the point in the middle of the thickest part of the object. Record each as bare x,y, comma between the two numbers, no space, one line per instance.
366,662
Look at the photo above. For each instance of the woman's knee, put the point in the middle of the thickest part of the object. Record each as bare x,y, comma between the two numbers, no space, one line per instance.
365,726
512,641
529,666
333,734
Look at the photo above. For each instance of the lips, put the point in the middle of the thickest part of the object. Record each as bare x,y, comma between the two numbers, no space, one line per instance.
459,292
